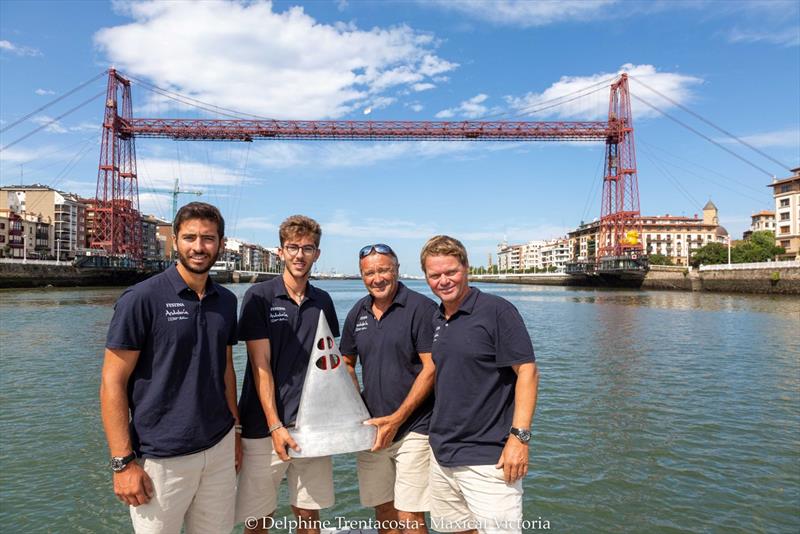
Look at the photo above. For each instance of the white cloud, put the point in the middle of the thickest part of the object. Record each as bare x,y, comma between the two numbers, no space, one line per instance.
18,50
286,65
388,229
416,107
43,92
787,138
525,13
348,154
418,87
53,126
515,233
594,106
785,37
471,109
257,223
160,173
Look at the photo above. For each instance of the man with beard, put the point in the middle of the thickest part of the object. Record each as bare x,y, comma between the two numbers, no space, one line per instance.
279,321
168,391
390,331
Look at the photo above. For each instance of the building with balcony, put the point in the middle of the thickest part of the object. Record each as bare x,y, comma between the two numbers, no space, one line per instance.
554,255
152,242
763,220
787,214
65,210
25,236
676,237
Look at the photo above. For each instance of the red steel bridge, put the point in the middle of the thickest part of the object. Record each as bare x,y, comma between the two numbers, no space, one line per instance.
118,233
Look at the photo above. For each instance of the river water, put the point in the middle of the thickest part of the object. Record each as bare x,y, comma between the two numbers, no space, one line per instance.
658,411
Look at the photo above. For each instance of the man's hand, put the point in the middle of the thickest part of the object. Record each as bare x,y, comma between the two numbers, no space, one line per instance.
132,485
281,441
514,460
237,459
387,429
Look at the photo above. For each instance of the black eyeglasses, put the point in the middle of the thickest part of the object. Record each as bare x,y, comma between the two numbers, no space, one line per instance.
380,248
308,250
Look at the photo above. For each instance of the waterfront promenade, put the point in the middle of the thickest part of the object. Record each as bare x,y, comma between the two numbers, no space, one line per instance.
659,411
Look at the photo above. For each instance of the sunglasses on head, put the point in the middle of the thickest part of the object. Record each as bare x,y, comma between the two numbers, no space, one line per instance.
380,248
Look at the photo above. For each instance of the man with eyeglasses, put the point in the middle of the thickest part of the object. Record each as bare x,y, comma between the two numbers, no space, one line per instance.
486,387
278,322
390,332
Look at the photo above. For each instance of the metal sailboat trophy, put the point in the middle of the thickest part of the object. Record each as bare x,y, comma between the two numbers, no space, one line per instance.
331,416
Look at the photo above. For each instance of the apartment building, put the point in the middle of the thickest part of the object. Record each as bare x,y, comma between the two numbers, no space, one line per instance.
65,210
24,235
787,214
763,220
676,237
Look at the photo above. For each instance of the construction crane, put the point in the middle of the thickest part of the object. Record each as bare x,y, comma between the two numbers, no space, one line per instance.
175,191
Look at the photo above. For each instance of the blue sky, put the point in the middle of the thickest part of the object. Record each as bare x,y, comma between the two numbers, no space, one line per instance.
735,63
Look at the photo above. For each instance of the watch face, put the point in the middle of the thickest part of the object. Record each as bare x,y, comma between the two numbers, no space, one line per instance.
523,435
118,463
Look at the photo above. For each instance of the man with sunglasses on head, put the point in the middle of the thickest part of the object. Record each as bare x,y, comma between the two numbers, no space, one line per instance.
278,322
390,331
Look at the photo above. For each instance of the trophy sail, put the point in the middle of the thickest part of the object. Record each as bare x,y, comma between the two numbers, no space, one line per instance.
330,419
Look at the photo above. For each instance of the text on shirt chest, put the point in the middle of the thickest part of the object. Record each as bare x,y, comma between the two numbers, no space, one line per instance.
362,323
176,311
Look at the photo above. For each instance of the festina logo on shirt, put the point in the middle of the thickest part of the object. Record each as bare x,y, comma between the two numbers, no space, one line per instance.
278,313
176,311
362,323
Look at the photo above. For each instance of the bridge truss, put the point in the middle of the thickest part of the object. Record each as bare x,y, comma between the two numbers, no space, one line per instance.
116,225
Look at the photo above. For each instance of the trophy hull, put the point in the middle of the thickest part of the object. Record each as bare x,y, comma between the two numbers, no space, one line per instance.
321,441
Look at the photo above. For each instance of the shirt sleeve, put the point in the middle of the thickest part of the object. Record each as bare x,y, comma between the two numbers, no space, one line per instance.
128,329
513,343
254,319
347,345
423,327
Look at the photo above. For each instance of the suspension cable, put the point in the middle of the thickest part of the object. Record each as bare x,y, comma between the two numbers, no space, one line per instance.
726,149
700,117
62,97
48,123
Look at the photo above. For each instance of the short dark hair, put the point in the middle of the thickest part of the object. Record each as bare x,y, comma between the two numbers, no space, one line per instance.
199,210
299,226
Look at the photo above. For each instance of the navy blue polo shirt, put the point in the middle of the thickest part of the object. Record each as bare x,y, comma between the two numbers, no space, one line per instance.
269,313
389,352
176,392
473,352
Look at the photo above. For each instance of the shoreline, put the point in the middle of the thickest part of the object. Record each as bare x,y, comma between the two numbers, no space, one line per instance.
761,279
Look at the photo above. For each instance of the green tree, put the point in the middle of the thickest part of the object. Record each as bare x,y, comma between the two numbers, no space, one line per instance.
760,247
710,254
660,259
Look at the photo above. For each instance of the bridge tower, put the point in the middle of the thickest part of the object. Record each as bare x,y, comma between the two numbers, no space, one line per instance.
620,224
117,227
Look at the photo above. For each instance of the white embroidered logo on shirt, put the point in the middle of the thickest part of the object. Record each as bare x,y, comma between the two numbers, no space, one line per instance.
176,311
278,314
362,323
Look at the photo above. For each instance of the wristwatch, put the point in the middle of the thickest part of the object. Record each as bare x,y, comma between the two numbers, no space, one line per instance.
118,463
521,434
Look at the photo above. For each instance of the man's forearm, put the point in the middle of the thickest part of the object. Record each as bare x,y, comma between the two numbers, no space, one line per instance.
230,386
420,390
265,385
525,394
116,419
